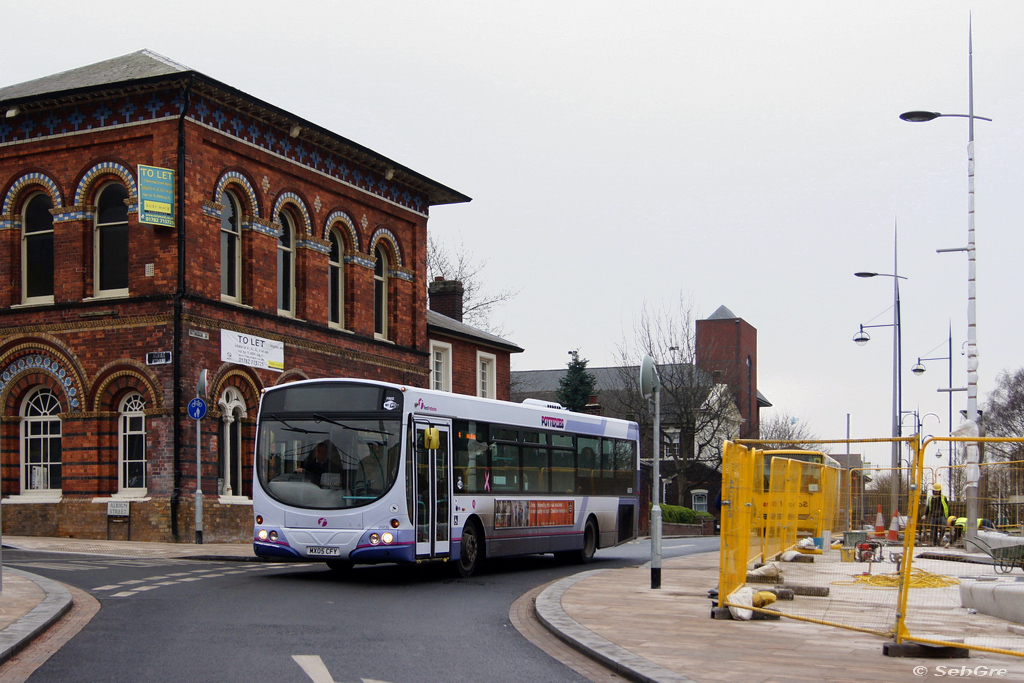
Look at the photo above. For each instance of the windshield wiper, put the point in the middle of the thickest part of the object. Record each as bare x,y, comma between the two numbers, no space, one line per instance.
292,428
320,418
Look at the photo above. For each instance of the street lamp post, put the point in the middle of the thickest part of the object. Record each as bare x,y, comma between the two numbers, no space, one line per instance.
919,369
862,338
970,427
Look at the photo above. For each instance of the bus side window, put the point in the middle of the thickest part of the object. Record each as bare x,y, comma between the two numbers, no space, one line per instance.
505,467
470,457
588,466
563,472
535,469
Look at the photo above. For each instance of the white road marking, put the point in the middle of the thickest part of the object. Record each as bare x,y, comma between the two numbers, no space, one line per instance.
314,668
175,578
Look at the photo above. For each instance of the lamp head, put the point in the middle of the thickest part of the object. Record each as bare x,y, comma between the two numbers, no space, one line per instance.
919,116
862,337
863,274
918,368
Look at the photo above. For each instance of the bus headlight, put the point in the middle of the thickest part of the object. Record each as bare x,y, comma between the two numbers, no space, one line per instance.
374,538
262,535
388,537
273,535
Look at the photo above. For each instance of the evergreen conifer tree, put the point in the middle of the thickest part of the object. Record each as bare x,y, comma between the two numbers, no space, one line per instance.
577,385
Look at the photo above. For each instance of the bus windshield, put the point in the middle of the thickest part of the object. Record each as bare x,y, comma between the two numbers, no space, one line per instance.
315,461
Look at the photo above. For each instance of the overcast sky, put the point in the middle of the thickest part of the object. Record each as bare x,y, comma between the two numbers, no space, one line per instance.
746,154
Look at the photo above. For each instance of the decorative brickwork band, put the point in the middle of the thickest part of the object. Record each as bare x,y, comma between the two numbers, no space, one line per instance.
239,181
107,168
389,237
345,225
300,206
42,362
26,180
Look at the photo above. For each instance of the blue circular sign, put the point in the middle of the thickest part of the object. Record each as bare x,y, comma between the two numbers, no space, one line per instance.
197,409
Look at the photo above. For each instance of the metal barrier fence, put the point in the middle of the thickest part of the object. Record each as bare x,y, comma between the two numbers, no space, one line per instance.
889,572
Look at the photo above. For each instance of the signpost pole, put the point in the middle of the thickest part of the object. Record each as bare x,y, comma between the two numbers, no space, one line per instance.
199,487
650,383
200,394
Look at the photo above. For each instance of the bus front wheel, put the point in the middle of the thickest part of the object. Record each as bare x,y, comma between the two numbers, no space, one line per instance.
471,552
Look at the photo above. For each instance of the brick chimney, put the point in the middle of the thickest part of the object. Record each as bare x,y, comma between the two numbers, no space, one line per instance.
446,297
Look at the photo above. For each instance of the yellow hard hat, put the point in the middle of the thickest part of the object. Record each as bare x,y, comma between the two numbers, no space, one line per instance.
936,486
952,518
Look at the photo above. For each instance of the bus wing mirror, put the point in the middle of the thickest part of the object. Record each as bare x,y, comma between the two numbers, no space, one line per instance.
431,438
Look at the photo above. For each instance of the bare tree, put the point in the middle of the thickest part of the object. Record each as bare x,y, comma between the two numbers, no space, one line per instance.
458,263
783,427
1003,471
1004,413
697,414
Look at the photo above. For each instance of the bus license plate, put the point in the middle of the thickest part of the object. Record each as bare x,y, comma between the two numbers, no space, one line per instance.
322,550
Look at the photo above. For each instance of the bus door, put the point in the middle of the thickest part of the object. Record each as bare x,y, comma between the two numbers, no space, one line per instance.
432,489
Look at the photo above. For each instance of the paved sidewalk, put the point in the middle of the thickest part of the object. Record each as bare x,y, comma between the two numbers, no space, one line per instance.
668,634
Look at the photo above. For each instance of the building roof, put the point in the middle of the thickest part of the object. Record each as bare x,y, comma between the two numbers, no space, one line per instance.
607,379
442,324
722,313
145,68
143,64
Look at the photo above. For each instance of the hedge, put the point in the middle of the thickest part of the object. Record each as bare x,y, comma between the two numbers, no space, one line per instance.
677,514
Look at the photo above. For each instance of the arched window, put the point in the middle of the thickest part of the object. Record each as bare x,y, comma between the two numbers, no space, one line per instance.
41,442
111,255
37,250
231,467
230,250
286,266
336,281
131,454
380,294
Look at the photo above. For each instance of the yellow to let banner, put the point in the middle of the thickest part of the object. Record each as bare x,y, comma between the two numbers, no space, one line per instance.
157,207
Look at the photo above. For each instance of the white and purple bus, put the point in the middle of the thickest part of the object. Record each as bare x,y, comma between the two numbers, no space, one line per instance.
363,472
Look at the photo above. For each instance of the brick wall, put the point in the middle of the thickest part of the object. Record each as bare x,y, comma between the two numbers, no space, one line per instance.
147,521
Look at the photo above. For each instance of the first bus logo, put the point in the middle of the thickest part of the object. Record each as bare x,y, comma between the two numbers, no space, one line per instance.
552,422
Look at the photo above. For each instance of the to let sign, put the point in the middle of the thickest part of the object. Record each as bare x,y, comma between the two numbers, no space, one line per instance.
156,196
248,349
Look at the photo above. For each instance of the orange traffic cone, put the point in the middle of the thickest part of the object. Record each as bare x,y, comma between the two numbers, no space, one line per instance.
879,524
894,528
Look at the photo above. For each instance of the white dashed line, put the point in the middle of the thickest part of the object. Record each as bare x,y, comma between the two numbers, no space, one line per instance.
154,582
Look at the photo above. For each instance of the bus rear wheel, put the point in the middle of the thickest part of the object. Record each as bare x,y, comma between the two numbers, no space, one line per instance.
584,555
471,552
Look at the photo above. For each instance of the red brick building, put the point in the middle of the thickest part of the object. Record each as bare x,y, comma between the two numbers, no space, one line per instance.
463,359
156,223
727,348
